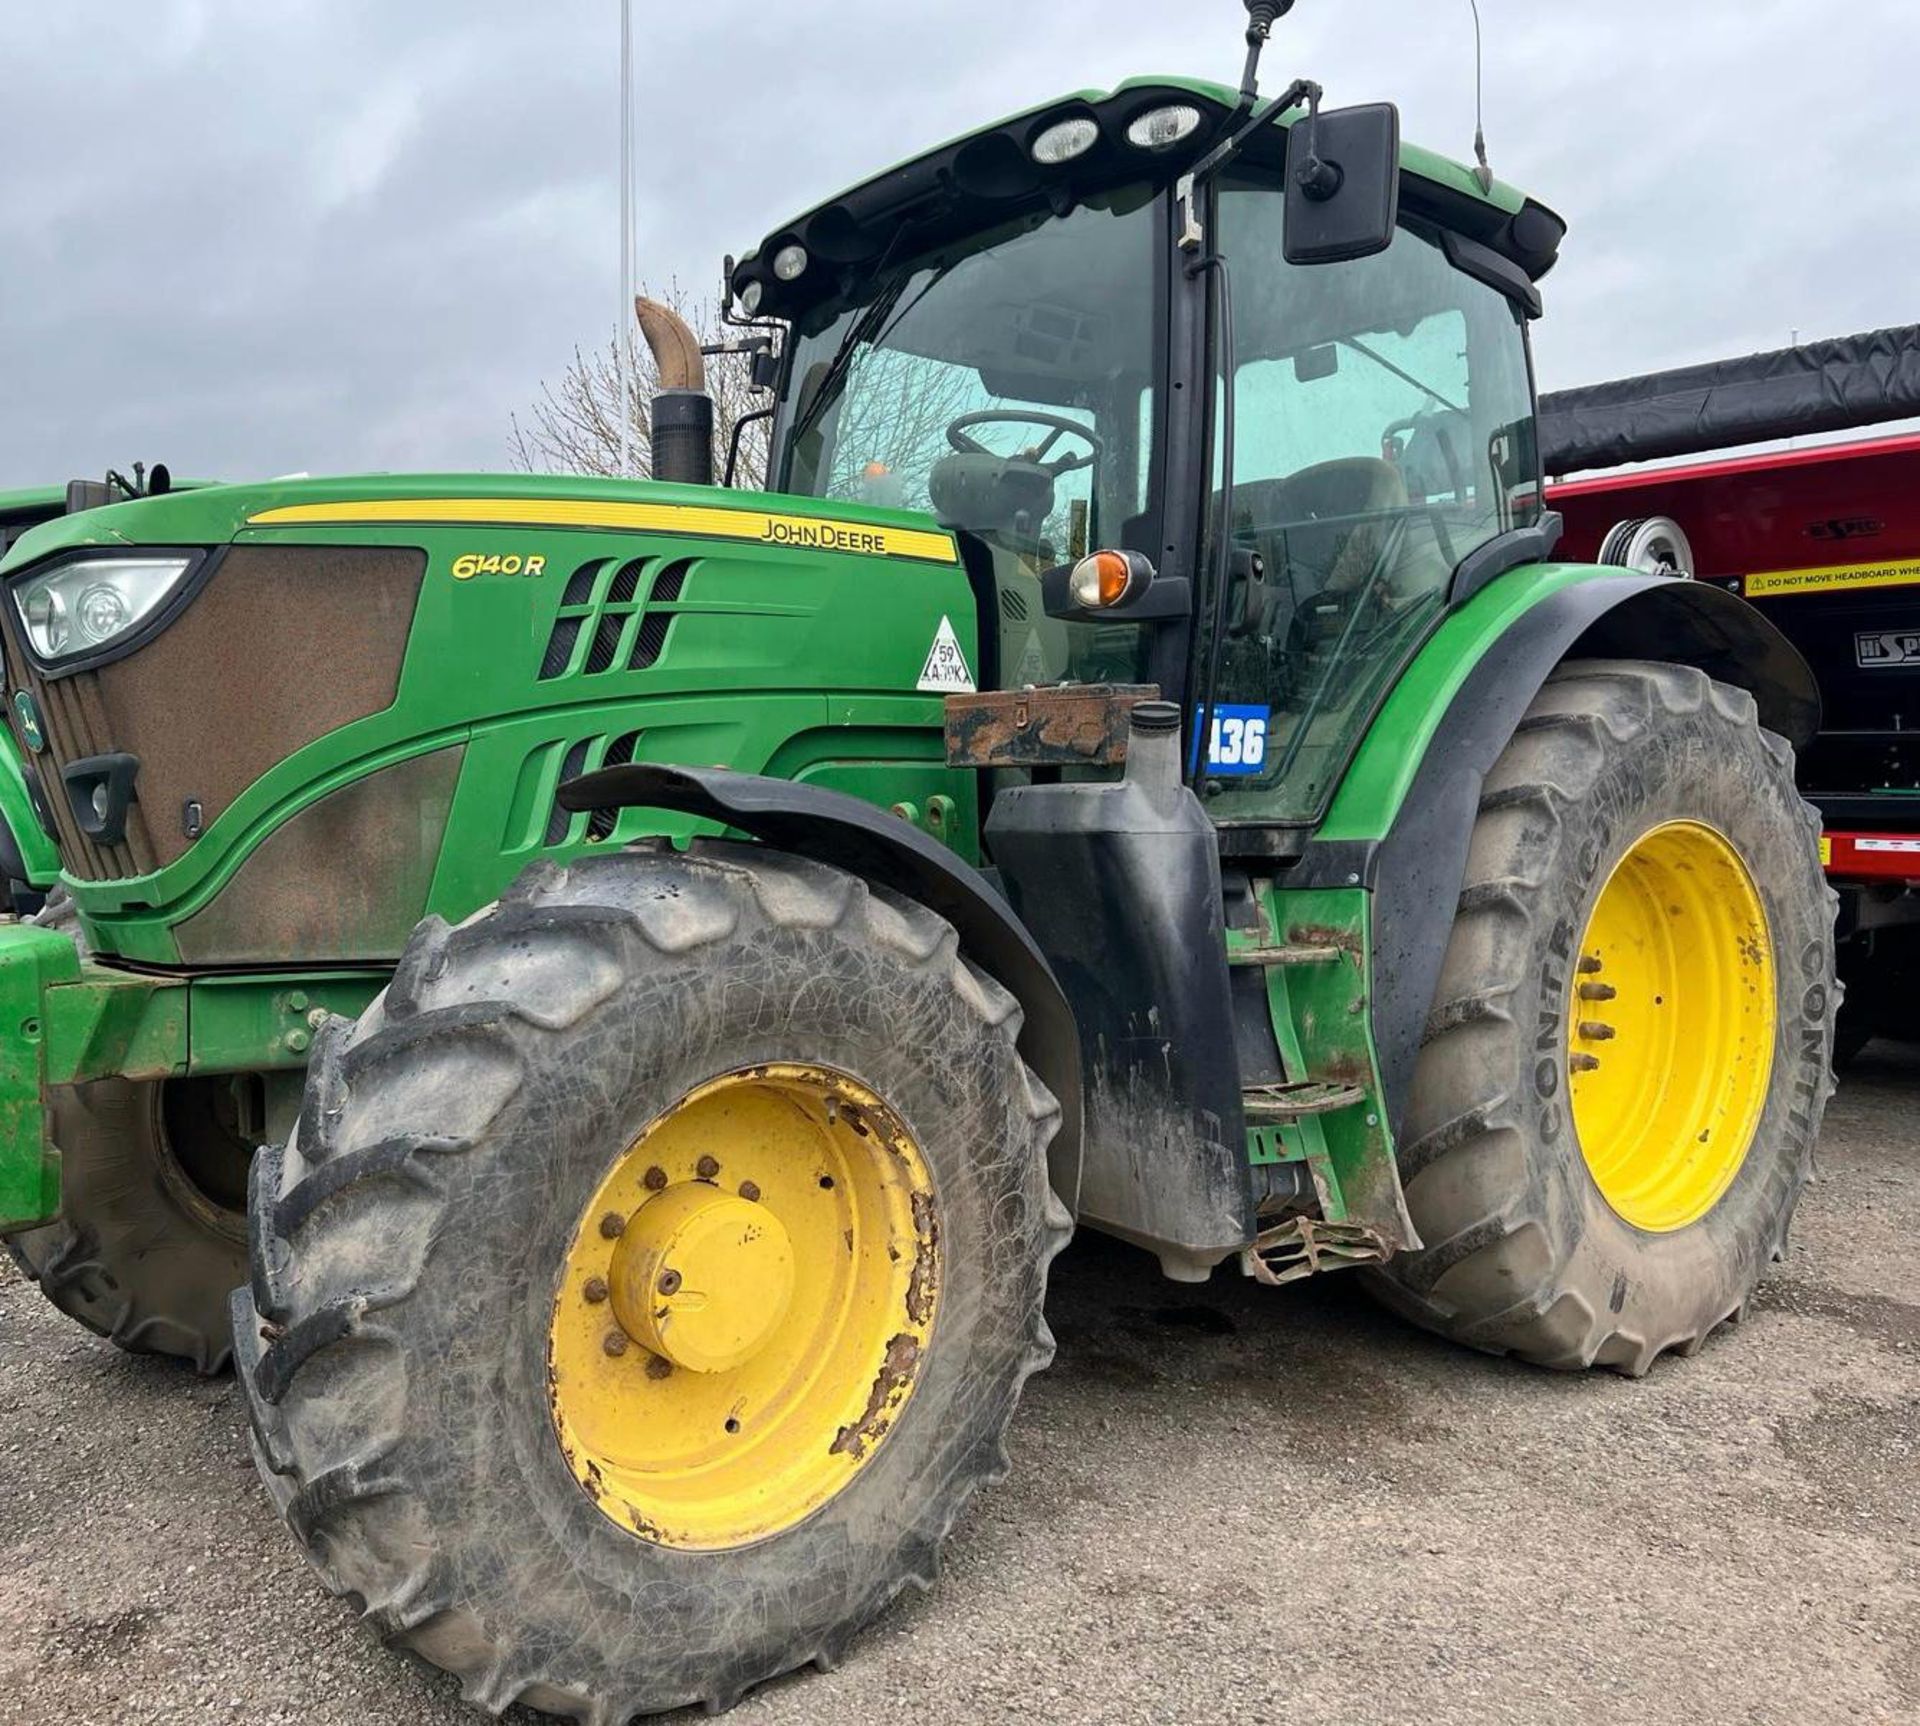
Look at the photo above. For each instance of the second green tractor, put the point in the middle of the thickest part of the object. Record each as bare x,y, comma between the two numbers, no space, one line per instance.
634,982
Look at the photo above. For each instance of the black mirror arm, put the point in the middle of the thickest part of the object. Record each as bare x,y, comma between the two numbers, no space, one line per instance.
733,443
1192,234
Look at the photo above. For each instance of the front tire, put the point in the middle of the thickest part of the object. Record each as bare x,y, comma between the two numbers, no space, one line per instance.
1623,1076
467,1396
151,1236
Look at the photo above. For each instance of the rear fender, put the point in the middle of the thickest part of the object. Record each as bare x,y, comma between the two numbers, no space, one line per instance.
831,827
1403,820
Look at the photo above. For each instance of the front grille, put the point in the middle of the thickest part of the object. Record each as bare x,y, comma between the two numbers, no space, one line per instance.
282,645
604,626
345,879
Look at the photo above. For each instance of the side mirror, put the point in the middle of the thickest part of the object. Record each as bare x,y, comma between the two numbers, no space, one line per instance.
87,494
1343,184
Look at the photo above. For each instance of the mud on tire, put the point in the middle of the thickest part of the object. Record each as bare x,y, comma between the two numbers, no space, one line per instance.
407,1245
1522,1252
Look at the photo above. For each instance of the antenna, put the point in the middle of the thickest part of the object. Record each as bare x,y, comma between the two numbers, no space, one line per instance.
1482,172
625,325
1262,15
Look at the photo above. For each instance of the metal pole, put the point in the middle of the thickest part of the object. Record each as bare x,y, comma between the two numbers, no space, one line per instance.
625,325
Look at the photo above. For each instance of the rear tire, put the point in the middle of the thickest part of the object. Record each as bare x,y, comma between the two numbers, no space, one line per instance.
417,1251
1524,1252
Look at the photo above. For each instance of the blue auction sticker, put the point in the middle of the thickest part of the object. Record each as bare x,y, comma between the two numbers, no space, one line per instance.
1237,739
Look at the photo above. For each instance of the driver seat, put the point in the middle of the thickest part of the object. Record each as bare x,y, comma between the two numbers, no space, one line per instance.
1335,492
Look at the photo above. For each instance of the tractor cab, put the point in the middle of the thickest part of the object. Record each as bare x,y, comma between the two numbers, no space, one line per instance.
1226,403
1056,337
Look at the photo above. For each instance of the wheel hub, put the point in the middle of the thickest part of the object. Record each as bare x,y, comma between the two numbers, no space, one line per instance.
702,1277
745,1306
1671,1026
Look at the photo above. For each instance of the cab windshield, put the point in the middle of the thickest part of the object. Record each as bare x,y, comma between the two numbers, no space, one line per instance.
1010,387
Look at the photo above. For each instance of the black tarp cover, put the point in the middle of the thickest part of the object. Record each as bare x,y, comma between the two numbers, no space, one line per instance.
1837,385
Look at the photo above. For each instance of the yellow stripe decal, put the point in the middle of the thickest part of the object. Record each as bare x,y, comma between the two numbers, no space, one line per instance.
1898,573
807,532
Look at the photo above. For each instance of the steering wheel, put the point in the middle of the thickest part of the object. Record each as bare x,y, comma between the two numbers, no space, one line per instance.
1058,426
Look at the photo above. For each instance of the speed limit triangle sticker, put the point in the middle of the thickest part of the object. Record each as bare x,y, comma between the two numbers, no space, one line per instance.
946,668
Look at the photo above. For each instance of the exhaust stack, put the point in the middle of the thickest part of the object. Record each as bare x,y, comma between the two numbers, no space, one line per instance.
682,412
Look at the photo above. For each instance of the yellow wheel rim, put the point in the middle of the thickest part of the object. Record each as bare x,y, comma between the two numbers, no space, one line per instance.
1671,1026
745,1307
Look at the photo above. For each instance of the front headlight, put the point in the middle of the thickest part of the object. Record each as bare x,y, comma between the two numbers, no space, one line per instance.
90,603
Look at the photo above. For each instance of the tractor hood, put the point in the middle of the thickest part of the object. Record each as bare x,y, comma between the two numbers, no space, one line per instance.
310,711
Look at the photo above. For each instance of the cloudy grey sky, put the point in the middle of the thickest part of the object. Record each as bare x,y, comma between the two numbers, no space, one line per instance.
255,236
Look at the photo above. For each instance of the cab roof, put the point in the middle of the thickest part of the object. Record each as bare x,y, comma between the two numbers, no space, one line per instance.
986,176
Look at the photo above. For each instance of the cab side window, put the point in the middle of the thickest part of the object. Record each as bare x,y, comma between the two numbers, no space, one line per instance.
1383,430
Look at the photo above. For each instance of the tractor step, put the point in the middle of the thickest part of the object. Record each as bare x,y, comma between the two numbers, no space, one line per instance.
1302,1246
1290,955
1267,1105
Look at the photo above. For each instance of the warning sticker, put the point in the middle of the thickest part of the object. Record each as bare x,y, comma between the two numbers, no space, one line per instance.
1898,573
1904,847
946,668
1826,850
1033,663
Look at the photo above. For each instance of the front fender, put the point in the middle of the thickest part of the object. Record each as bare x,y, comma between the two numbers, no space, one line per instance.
831,827
1404,815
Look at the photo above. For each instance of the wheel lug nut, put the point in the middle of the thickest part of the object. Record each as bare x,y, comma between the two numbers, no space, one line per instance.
706,1168
615,1342
596,1289
659,1367
750,1191
1597,991
1584,1063
1588,965
669,1282
1595,1032
613,1225
655,1179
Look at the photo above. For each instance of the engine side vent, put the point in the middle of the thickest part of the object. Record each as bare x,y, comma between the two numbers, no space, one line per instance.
558,819
587,755
626,582
601,822
559,648
651,642
606,641
1013,605
603,608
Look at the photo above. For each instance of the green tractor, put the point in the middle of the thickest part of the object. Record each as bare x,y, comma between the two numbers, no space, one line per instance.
636,981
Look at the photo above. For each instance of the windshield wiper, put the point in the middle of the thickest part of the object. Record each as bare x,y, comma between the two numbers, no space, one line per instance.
872,327
864,329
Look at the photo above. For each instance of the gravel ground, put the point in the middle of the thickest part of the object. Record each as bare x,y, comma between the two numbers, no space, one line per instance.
1227,1503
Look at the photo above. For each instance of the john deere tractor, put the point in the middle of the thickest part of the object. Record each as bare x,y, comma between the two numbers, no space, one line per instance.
636,981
